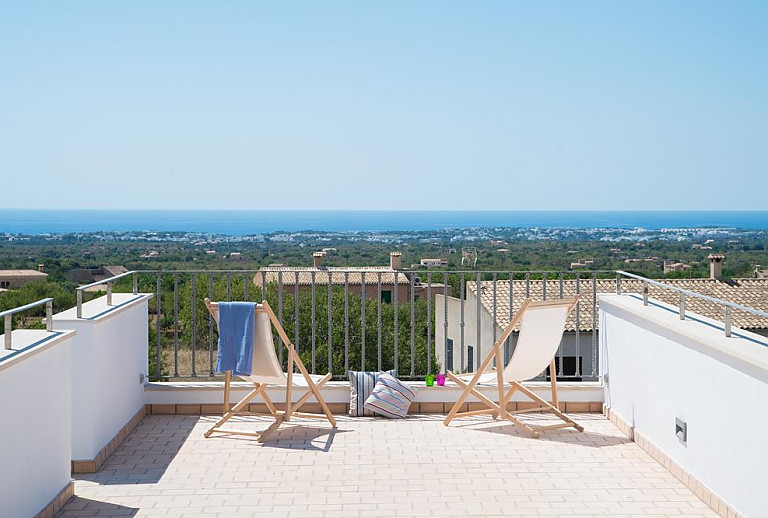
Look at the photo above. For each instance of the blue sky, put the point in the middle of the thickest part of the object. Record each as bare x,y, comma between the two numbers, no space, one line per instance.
385,105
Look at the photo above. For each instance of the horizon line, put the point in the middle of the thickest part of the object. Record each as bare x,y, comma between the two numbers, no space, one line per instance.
367,210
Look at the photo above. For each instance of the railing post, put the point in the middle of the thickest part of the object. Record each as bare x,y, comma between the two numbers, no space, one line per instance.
280,310
49,316
645,293
346,321
429,324
395,323
618,284
479,327
682,306
109,293
594,326
462,323
135,283
313,321
176,324
330,323
158,357
413,323
445,325
264,286
727,321
8,330
578,324
79,303
378,316
362,320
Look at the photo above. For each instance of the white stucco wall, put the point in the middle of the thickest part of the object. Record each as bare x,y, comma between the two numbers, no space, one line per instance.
659,368
108,356
207,393
35,405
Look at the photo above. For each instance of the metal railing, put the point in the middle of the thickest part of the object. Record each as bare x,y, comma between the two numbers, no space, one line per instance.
683,294
8,317
109,282
367,318
380,319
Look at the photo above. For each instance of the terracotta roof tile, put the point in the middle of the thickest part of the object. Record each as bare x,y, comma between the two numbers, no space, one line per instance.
355,275
23,273
746,292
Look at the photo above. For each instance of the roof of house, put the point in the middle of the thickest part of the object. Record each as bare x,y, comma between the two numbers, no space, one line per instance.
22,273
746,292
355,275
95,274
113,270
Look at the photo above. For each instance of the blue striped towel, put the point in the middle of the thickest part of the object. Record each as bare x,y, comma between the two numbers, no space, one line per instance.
236,320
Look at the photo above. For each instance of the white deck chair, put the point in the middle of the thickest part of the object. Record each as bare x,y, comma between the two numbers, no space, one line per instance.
266,370
541,330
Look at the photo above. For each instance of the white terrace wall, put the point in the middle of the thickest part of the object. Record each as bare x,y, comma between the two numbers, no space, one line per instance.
658,368
35,404
211,393
109,361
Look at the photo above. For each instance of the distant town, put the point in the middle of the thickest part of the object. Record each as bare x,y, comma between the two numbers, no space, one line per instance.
666,252
446,235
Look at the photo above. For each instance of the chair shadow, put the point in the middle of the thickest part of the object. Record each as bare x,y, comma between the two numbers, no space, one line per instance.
79,506
305,438
296,434
586,438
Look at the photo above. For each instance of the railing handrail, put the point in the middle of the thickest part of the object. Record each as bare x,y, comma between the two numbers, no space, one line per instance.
25,307
367,269
689,293
108,281
8,316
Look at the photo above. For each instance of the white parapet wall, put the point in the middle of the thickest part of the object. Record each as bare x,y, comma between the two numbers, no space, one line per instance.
109,359
208,393
658,368
35,436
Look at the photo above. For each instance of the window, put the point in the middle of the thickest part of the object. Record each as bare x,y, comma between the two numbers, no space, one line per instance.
5,284
449,355
569,369
470,358
386,296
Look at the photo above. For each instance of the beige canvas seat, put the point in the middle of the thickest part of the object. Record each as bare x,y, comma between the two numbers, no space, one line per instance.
541,330
266,371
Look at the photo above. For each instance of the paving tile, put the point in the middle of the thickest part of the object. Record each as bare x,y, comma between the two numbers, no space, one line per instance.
377,467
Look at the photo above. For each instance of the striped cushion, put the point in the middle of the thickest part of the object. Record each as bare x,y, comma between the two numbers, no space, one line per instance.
390,398
361,385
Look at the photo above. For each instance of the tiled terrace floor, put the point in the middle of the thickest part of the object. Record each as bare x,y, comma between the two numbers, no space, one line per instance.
376,467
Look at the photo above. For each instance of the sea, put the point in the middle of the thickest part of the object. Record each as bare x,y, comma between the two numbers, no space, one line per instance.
251,222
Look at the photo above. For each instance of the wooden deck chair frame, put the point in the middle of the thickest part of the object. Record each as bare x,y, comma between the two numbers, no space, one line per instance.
259,389
499,410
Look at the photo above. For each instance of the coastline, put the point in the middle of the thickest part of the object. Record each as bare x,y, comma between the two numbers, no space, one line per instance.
250,222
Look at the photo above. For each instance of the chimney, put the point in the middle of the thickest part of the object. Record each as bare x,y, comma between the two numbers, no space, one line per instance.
41,267
716,266
396,260
317,259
